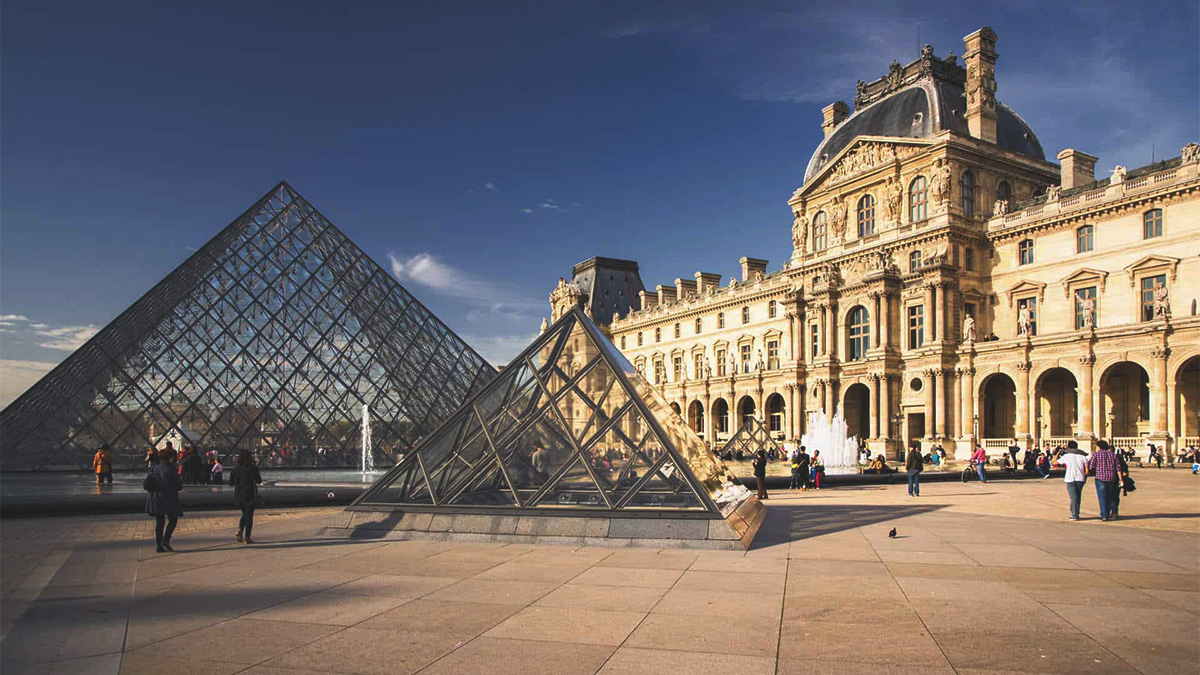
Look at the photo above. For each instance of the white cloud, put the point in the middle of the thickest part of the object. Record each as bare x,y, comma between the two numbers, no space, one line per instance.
500,350
491,186
38,326
67,338
526,210
427,270
13,317
17,376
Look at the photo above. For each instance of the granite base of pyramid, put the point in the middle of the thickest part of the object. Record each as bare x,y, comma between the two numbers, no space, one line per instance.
732,533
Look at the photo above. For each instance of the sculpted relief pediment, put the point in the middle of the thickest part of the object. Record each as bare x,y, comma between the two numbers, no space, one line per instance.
860,157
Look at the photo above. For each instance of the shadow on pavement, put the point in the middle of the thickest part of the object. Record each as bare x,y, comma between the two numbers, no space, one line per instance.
787,523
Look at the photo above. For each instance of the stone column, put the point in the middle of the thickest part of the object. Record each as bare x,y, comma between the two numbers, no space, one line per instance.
708,422
930,409
968,409
875,329
885,301
873,385
931,310
944,314
824,346
943,386
1086,396
834,348
1158,392
961,431
885,407
1023,399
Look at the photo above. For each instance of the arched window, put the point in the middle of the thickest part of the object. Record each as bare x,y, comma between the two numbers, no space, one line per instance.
1152,224
677,331
1025,252
772,309
866,216
820,227
699,325
658,335
917,197
745,315
968,194
1085,239
721,320
914,261
1003,191
860,332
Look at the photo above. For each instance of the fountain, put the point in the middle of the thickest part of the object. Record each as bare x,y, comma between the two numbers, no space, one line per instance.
831,437
368,462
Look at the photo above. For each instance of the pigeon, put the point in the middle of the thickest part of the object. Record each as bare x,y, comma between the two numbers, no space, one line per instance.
892,534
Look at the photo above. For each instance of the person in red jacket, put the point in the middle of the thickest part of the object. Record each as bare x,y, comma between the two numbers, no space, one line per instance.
102,463
980,461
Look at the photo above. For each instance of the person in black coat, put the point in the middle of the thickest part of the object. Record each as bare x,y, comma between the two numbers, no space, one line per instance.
162,500
760,473
244,480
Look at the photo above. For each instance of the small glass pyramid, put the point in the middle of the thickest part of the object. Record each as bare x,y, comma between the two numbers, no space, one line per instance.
569,424
752,437
269,338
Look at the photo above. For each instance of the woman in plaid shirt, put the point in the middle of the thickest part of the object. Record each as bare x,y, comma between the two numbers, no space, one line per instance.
1103,463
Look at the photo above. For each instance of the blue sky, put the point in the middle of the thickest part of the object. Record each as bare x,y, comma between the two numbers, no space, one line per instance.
480,149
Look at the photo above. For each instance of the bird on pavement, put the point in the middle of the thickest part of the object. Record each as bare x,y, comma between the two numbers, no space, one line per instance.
892,534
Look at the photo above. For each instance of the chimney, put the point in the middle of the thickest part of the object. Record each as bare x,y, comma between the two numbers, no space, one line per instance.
648,299
687,288
752,268
665,294
981,83
1078,168
707,280
834,114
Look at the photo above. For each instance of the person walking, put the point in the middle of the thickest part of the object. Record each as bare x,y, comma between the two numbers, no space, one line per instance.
245,480
760,473
1103,464
1076,476
805,465
218,471
163,485
818,469
914,464
102,463
980,461
795,458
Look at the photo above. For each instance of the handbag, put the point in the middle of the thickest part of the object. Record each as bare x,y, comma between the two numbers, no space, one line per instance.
148,483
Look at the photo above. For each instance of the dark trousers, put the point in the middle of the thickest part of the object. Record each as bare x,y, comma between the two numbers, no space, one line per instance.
914,483
104,476
1114,499
797,482
247,522
161,535
760,480
1075,493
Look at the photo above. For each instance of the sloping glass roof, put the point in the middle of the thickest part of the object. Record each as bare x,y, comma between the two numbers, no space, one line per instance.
269,338
750,438
569,424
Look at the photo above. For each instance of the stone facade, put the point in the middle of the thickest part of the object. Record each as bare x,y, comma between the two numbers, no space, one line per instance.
948,286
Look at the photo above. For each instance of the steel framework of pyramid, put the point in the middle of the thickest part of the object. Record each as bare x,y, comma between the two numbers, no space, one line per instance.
750,438
569,443
271,337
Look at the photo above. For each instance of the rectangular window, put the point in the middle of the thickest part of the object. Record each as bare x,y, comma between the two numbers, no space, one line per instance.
677,331
658,372
639,339
677,365
720,363
745,315
916,326
1148,289
816,341
698,365
745,358
772,354
622,342
1027,305
970,259
721,320
699,325
1084,239
1025,252
1152,222
969,309
1084,296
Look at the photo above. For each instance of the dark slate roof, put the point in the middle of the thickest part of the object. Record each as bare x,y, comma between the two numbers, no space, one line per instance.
611,286
921,110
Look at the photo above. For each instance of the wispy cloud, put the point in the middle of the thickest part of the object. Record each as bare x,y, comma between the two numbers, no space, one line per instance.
67,338
13,318
16,376
491,186
499,350
526,210
427,270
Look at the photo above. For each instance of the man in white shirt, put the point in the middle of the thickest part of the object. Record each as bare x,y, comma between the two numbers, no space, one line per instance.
1076,463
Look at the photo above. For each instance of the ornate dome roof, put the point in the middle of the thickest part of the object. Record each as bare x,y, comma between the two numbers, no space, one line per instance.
919,100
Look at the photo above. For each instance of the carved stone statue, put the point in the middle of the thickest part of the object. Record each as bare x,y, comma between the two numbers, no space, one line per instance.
1118,175
545,324
800,233
969,329
927,52
1088,307
1190,153
942,176
1000,207
760,360
894,200
1052,193
1024,323
1162,303
837,219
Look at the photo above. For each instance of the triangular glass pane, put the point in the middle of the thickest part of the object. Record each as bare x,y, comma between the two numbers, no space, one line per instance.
575,488
487,488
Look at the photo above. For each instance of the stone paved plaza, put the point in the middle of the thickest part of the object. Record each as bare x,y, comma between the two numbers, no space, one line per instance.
982,579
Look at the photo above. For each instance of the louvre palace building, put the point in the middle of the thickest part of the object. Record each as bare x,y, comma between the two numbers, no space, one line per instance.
947,284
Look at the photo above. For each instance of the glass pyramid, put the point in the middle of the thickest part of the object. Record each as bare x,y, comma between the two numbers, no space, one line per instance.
570,424
271,338
752,437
